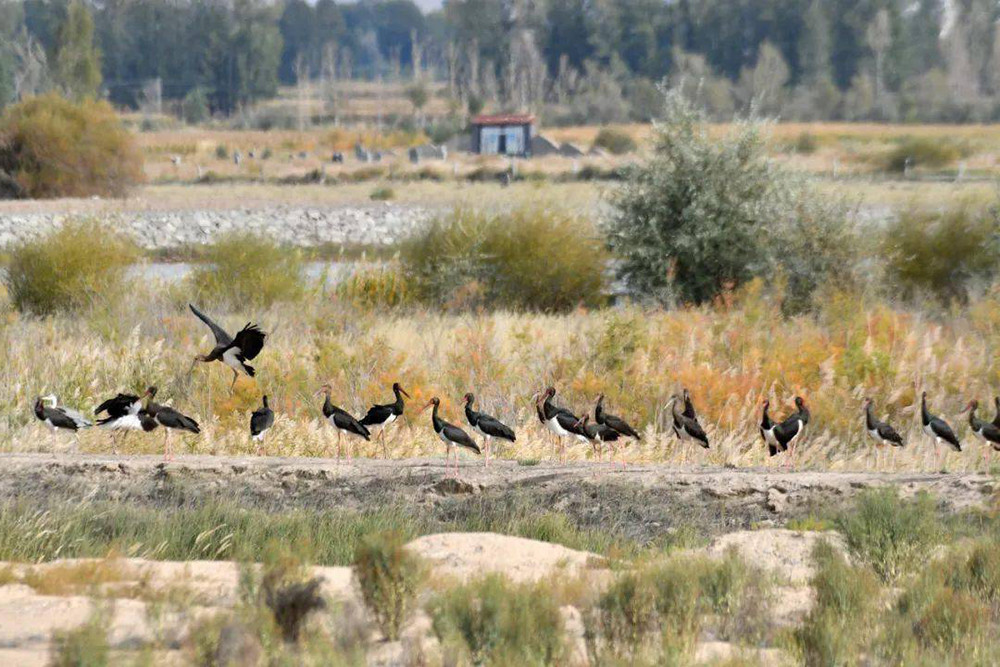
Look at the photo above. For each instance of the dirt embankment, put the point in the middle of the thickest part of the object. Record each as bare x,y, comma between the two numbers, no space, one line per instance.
642,501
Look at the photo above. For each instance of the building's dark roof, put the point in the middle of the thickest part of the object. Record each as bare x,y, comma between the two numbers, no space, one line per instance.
503,119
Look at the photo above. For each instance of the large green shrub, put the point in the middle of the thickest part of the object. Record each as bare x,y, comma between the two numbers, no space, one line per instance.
389,577
56,148
529,258
941,253
248,271
889,534
614,141
75,266
499,622
704,215
927,152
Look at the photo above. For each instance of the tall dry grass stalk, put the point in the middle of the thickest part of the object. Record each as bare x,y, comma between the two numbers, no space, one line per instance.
730,356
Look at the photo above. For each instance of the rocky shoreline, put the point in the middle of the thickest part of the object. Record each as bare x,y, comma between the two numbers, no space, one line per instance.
368,225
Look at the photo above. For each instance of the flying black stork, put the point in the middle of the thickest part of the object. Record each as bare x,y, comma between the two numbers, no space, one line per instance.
986,431
486,425
380,416
450,434
342,420
261,422
767,426
938,429
559,421
616,424
598,434
686,428
881,432
56,417
233,352
789,432
124,413
170,419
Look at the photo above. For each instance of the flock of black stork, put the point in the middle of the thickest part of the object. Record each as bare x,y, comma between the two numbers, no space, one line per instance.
128,412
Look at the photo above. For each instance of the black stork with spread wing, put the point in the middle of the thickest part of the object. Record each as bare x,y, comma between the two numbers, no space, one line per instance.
380,416
450,434
881,432
261,422
486,425
233,352
124,413
342,420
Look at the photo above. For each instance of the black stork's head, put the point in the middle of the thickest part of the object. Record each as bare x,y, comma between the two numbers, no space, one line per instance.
549,393
867,402
435,401
39,407
263,400
972,406
397,389
582,422
469,398
600,399
151,391
325,390
799,403
766,404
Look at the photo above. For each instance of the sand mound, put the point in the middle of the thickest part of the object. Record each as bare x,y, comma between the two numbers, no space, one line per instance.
787,552
465,555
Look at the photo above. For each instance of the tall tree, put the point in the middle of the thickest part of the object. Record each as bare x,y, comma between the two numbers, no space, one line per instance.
78,60
814,44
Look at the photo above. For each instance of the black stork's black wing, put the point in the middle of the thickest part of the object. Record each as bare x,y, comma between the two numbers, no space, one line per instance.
568,421
173,419
622,426
118,406
261,420
941,429
495,428
346,422
60,419
889,434
250,340
459,437
221,337
376,415
693,429
787,430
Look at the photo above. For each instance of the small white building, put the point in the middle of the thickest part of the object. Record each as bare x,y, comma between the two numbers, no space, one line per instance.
503,134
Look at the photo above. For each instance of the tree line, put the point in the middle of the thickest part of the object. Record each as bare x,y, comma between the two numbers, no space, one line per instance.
571,60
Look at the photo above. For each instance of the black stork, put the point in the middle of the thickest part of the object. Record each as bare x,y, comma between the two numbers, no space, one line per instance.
881,432
170,419
598,434
686,428
261,422
790,431
996,406
986,431
56,417
124,413
450,434
342,420
486,425
233,352
381,416
938,429
767,426
559,421
616,424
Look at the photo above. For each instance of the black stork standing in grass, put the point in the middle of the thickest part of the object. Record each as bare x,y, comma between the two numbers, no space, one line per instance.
486,425
56,417
559,421
881,432
938,429
380,416
342,420
598,434
986,431
450,434
613,422
124,413
261,422
686,428
767,426
789,432
233,352
170,419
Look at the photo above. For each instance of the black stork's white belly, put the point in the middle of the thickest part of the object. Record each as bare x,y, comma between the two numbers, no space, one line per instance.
770,439
129,422
231,358
554,426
